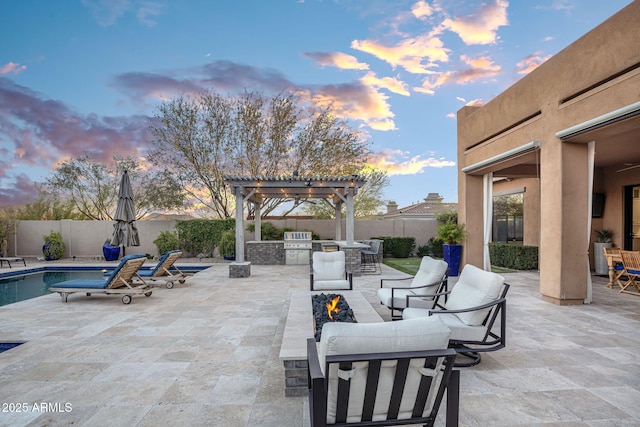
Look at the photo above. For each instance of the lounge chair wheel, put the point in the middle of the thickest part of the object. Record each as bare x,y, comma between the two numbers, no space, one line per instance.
169,285
147,294
181,281
126,299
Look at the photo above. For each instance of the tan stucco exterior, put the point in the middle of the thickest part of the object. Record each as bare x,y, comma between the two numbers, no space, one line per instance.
595,76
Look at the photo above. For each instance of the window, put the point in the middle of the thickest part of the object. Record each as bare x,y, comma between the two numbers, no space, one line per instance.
508,218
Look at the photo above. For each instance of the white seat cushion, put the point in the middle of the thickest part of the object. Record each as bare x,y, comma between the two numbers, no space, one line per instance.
474,287
400,298
426,333
328,285
459,330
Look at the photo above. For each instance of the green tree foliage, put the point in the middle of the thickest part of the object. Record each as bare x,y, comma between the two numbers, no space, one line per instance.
366,203
92,187
45,207
204,138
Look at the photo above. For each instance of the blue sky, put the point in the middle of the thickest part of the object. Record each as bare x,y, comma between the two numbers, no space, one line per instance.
80,75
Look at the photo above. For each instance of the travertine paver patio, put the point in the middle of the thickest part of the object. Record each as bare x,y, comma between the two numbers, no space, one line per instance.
206,353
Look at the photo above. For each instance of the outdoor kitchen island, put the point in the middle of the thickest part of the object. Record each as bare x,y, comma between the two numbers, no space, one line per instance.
299,327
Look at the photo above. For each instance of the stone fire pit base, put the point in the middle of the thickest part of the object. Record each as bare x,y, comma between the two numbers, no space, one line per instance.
299,327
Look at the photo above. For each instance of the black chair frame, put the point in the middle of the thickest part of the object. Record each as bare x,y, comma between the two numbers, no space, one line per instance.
491,341
318,387
443,288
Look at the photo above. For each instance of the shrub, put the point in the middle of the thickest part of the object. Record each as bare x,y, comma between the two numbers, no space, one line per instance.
513,256
167,241
227,244
55,247
397,247
200,236
432,248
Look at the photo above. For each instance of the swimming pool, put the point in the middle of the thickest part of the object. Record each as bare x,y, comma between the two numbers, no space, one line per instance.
26,284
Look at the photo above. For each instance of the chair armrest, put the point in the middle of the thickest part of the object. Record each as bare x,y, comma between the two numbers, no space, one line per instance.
389,280
436,295
317,388
466,310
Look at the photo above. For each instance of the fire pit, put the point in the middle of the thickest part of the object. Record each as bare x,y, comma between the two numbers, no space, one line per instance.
299,327
330,308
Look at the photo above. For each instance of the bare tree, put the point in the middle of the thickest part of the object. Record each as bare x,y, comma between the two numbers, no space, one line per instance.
366,203
92,187
202,139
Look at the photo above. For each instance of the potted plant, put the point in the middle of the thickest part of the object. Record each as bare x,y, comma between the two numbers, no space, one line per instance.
227,245
53,247
110,252
604,241
451,234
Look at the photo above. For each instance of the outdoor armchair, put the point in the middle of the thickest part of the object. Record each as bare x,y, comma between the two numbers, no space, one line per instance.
430,279
329,272
475,304
387,373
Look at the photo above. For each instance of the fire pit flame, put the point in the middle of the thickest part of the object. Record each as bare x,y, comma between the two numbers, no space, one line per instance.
332,307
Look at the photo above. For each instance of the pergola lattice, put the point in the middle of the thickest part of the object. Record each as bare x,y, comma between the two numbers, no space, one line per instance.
256,189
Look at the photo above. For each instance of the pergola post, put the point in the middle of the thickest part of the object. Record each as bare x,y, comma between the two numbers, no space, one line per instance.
239,225
257,221
338,214
350,221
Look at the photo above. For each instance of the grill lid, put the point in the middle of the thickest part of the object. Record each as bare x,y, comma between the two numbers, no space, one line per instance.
297,235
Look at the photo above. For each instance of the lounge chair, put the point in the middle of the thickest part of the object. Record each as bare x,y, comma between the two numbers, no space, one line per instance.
387,373
430,279
329,272
120,281
165,270
471,311
8,260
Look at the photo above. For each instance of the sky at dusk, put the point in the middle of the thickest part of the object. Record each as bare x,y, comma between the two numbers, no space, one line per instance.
80,75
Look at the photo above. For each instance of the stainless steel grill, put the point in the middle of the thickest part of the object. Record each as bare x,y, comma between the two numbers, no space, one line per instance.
297,246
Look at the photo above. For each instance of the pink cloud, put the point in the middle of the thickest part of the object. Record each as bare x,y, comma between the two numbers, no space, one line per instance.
481,26
396,162
12,67
338,60
531,62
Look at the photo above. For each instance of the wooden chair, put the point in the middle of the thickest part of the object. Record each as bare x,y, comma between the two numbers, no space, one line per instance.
388,373
631,263
430,279
475,304
616,269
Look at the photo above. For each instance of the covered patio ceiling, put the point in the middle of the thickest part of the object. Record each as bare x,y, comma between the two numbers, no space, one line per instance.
617,146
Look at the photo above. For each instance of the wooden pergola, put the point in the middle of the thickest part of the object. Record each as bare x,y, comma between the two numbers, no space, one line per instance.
257,189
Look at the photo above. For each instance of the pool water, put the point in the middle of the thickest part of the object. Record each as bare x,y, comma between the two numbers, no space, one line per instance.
20,288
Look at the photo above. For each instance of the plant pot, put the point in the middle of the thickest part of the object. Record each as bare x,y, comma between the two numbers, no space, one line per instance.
49,252
111,253
452,255
601,267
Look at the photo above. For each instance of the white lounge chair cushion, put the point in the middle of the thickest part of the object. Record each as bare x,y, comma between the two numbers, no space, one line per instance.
328,285
328,266
425,333
430,271
400,298
474,287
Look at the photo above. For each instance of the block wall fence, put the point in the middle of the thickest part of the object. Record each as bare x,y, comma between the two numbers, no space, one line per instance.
84,239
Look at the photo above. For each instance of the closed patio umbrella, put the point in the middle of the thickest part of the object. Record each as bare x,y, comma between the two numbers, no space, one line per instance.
125,232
